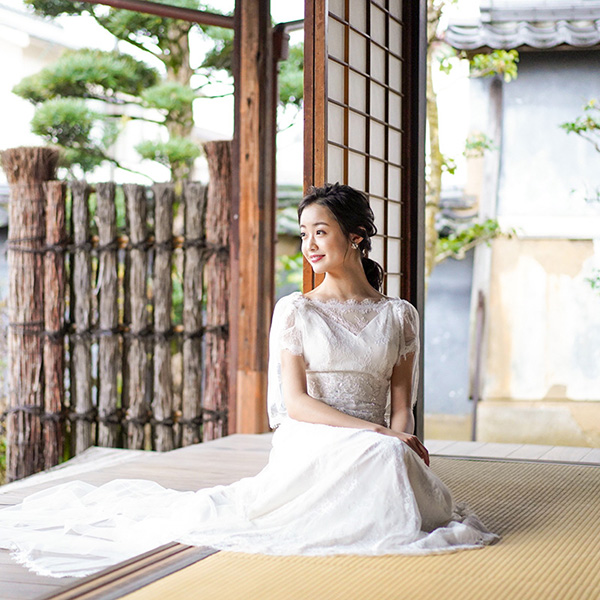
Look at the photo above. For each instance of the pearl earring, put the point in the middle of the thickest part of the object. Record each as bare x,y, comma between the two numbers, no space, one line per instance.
354,246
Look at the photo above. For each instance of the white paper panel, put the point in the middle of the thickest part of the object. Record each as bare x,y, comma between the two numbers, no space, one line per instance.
335,123
357,91
335,80
395,37
395,73
377,101
376,182
394,147
392,287
378,18
356,170
394,176
335,164
377,63
358,51
358,14
357,132
393,219
377,141
393,255
335,39
395,102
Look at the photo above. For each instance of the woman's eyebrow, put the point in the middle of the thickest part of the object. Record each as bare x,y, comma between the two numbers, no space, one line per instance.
315,224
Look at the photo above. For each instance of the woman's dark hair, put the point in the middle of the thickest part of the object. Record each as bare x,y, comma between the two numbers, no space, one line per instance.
354,215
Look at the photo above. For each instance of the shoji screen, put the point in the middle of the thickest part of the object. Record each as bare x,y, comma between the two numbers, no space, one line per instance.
363,111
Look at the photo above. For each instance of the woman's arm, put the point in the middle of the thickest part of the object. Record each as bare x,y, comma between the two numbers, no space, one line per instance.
301,406
402,418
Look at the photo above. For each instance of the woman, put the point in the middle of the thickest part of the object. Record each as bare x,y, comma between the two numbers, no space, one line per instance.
345,474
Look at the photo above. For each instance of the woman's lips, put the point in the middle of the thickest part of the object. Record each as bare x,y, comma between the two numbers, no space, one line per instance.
316,258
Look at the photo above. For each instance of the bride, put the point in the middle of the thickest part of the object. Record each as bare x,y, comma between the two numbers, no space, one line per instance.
346,474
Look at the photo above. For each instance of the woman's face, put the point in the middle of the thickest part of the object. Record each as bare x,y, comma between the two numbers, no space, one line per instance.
324,245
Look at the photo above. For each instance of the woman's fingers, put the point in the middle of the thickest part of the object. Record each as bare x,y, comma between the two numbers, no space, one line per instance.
415,443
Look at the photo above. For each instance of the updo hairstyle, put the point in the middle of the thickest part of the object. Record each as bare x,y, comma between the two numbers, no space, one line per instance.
351,210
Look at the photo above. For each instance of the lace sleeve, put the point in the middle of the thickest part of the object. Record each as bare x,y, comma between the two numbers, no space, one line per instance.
285,334
409,343
290,336
409,335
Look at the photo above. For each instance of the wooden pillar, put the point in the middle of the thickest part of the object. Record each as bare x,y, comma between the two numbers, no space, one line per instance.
413,184
315,109
253,210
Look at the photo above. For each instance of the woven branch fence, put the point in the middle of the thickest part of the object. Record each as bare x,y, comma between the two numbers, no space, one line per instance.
118,308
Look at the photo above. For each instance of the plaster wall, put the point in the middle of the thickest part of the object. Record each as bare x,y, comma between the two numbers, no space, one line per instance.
541,373
546,175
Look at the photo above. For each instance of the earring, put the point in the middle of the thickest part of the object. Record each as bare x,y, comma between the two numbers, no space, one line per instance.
354,246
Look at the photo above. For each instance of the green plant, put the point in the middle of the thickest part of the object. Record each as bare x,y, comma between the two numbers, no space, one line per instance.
457,244
125,88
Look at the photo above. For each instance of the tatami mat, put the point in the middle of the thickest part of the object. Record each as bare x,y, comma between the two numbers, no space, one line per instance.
548,516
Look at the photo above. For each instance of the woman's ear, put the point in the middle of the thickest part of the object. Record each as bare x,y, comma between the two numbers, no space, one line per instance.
355,238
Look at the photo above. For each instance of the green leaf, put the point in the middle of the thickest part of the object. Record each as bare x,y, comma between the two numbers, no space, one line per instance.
63,121
89,74
170,96
170,153
291,77
498,62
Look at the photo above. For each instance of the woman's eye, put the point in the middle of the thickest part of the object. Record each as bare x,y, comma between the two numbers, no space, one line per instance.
320,231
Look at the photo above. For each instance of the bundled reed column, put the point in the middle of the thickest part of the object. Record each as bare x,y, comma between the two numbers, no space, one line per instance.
54,318
26,169
162,290
217,277
82,409
191,406
108,317
135,386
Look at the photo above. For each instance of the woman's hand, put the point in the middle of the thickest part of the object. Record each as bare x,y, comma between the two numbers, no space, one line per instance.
412,441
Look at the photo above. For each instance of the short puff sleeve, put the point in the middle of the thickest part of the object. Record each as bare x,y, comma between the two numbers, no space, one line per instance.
409,342
286,334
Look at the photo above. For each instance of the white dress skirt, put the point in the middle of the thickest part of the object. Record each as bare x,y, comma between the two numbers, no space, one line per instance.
325,490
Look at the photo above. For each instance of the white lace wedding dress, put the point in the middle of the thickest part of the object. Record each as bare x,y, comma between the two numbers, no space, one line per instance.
325,490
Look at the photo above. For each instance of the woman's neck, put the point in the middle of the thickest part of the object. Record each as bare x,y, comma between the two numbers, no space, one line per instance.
344,288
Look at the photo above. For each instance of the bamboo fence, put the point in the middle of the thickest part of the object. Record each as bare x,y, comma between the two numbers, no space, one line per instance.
118,312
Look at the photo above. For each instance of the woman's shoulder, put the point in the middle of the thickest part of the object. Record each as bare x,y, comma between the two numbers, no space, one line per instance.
403,308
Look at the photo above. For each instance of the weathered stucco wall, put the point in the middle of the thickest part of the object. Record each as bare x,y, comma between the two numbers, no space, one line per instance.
542,351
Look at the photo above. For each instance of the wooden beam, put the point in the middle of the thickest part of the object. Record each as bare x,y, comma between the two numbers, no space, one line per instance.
169,11
253,235
315,108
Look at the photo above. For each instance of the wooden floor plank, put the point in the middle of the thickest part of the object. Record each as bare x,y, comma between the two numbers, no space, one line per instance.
565,454
592,457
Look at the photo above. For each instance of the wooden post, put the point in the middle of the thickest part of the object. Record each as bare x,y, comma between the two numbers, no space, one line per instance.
137,299
108,316
217,277
162,290
253,234
54,313
26,170
315,109
191,406
81,282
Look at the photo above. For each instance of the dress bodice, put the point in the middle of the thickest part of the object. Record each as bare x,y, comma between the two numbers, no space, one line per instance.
349,347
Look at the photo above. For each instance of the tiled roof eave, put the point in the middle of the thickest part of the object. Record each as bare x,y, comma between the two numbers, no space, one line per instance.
542,36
